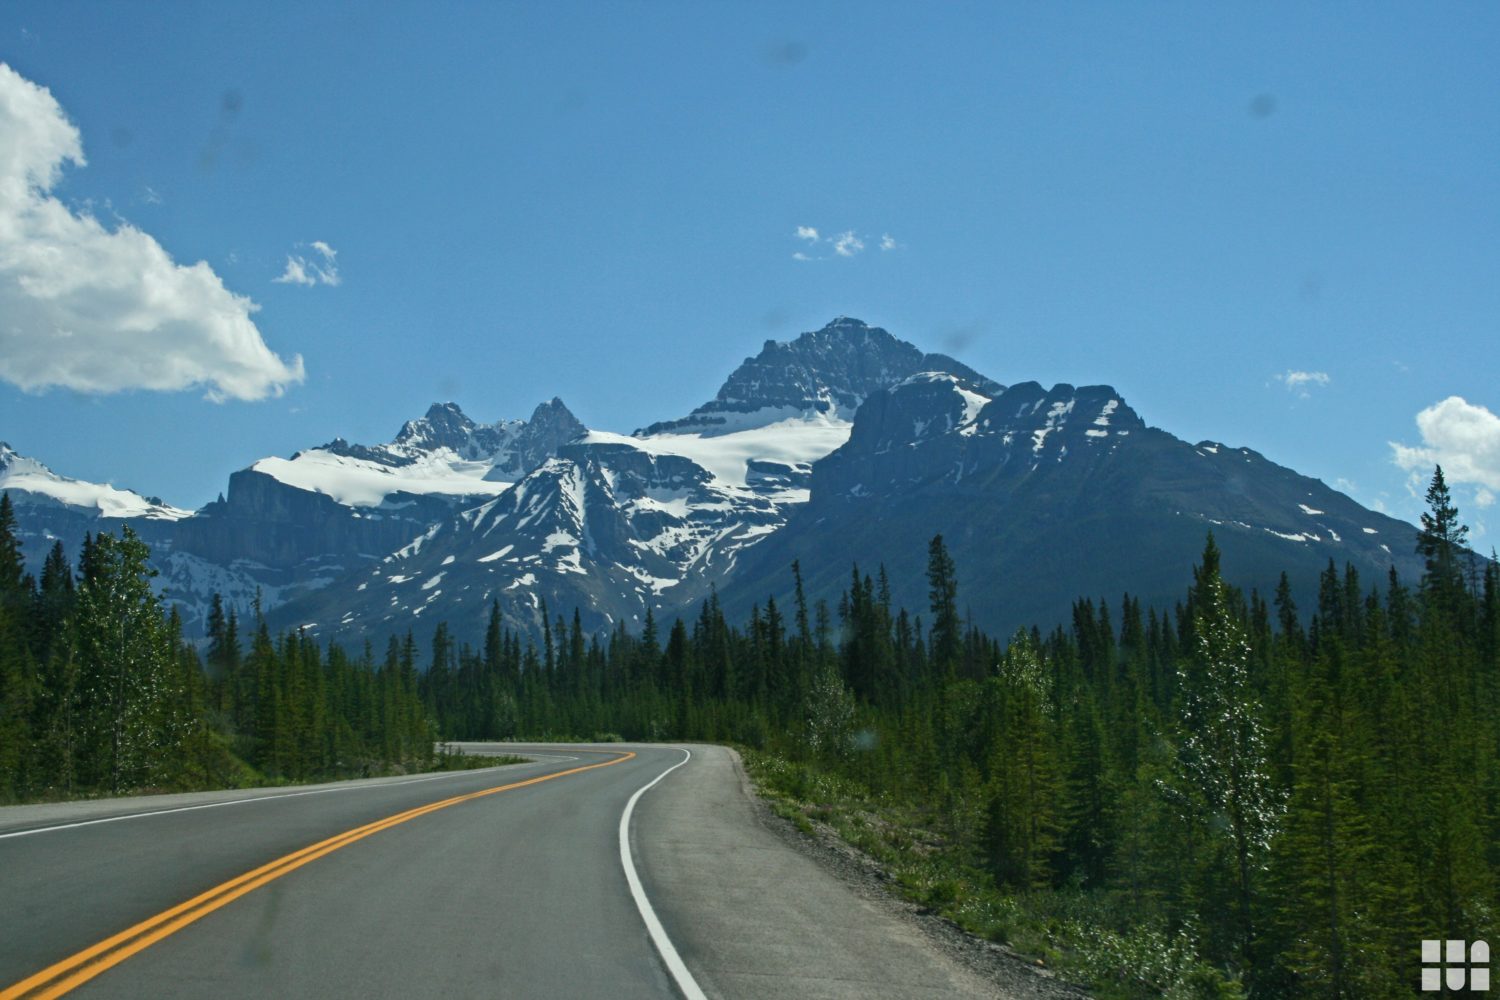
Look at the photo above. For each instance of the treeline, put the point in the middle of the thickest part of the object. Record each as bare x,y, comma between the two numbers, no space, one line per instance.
1302,795
99,692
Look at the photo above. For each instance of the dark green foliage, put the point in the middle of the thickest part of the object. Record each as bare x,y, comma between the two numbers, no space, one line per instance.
100,694
1277,805
1219,797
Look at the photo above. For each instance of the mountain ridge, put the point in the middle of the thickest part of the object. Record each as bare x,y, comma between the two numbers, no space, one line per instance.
842,445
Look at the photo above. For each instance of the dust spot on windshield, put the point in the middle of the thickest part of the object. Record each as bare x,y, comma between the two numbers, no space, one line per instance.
785,54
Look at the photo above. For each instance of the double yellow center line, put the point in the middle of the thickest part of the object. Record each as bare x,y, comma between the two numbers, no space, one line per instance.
74,971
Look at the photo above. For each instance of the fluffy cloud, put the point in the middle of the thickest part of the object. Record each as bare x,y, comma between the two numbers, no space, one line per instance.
1461,437
887,242
103,310
320,270
807,233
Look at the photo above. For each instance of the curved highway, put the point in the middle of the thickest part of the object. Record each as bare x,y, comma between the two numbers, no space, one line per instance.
529,880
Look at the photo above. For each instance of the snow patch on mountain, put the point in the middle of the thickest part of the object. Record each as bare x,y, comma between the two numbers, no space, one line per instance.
441,454
1056,416
360,482
794,440
17,472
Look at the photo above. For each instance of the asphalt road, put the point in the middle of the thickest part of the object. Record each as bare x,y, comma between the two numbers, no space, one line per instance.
372,889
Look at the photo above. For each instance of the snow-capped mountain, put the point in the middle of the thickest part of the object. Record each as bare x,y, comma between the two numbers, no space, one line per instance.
844,445
42,486
288,527
51,507
617,524
827,372
443,454
1044,496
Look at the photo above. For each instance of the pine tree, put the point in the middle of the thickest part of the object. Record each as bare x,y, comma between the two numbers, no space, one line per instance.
18,686
1442,540
942,594
1021,817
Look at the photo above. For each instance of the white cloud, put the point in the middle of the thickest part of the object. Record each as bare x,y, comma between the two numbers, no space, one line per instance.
1483,498
1461,437
310,271
1302,383
1293,379
846,244
103,310
295,273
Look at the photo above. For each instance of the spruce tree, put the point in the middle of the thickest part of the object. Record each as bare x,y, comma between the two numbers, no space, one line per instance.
1442,540
942,595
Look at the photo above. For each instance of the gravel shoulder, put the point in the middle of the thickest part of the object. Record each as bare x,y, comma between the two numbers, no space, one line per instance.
758,909
1010,974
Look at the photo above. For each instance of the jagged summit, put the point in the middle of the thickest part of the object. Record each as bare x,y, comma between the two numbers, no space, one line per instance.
827,373
508,448
443,426
899,430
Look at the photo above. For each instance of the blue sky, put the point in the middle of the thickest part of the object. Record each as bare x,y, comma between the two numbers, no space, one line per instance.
496,204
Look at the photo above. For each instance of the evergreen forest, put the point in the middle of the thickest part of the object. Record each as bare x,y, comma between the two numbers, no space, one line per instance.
1267,795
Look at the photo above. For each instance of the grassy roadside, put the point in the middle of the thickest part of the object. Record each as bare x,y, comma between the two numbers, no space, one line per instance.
457,760
1078,934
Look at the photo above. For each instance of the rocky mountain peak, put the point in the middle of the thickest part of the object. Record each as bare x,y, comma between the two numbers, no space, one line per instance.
551,426
553,416
443,426
830,371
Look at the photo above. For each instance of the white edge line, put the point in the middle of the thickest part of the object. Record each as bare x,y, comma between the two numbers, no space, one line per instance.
685,981
240,802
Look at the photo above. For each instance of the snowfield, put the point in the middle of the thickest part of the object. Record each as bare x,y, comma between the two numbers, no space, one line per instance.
794,441
20,473
361,483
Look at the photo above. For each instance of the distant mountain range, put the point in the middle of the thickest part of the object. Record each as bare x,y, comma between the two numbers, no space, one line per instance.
845,445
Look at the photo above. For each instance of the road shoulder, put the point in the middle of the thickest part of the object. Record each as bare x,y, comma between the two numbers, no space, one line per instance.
759,910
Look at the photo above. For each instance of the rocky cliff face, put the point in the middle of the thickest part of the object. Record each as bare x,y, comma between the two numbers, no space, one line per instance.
266,521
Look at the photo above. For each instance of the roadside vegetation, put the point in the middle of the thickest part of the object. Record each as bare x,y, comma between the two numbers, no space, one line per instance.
929,858
1234,796
100,694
